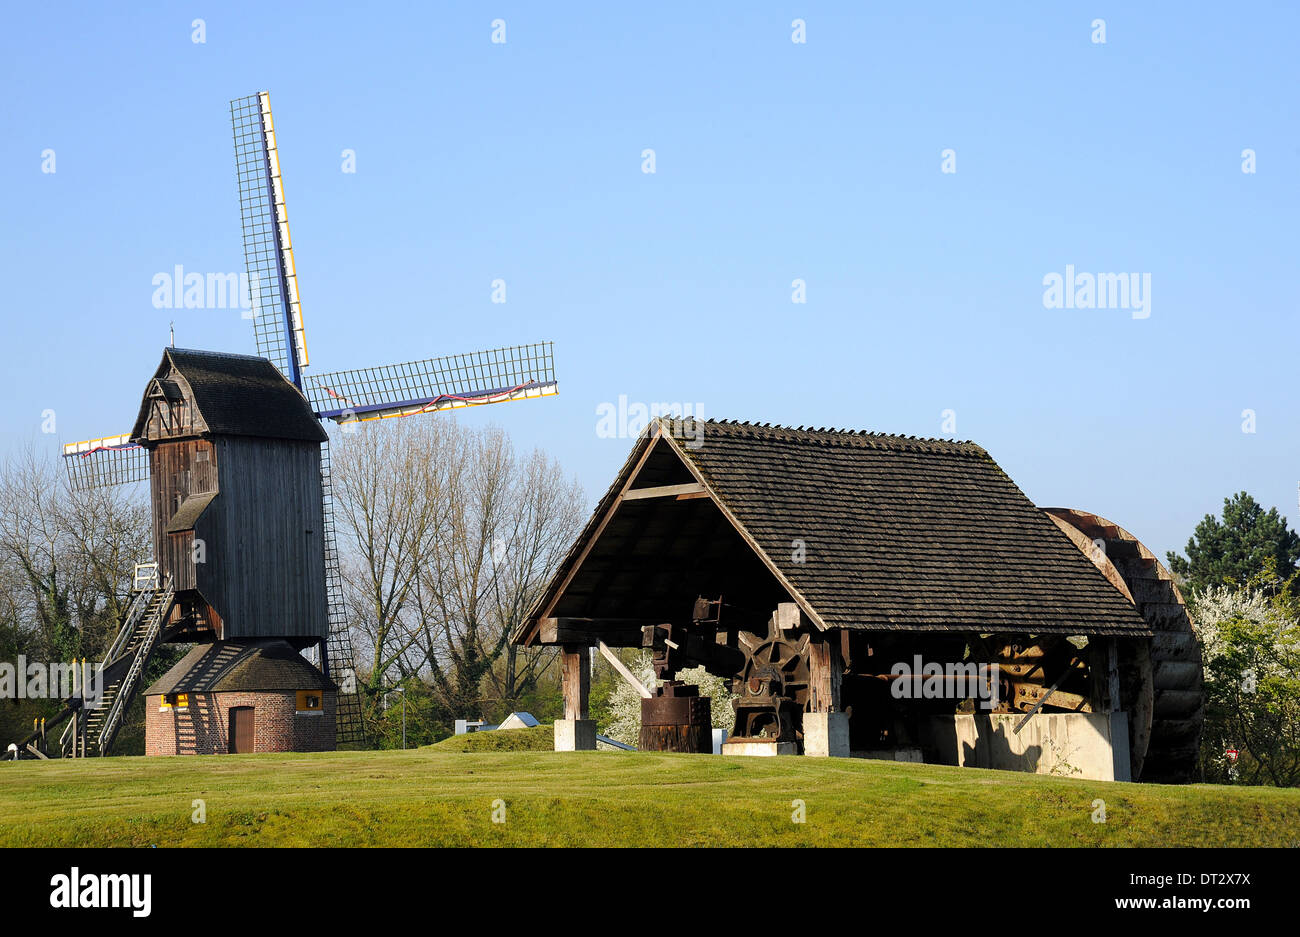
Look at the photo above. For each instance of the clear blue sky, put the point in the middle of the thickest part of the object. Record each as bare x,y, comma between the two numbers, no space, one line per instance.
775,161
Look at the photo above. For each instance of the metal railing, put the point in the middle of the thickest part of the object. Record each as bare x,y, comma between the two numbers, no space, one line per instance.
160,605
133,614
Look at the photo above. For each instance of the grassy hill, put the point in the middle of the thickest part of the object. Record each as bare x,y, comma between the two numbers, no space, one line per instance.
536,739
445,798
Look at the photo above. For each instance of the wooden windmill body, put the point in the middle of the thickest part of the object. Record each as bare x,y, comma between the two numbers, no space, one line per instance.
234,467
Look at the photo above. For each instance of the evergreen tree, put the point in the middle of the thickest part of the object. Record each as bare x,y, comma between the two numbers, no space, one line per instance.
1232,551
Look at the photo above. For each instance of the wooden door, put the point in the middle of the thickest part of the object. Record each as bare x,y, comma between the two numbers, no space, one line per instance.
241,729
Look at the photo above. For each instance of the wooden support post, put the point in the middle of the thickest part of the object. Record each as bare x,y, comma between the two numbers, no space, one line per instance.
825,725
825,672
575,732
1112,675
76,713
576,679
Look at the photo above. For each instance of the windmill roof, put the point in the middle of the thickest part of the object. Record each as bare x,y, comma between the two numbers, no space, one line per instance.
241,666
239,395
897,533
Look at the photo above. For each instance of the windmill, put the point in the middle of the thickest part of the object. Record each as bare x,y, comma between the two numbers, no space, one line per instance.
188,414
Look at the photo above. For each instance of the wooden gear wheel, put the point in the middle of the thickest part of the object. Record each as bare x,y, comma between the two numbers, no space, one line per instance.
772,687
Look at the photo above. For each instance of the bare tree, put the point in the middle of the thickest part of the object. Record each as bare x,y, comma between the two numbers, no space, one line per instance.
389,482
30,541
542,521
451,536
67,555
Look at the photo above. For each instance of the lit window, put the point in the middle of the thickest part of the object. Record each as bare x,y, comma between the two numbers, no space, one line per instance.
175,701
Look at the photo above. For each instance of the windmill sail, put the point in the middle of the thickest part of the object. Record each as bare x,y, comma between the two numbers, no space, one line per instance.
268,249
103,463
338,658
493,376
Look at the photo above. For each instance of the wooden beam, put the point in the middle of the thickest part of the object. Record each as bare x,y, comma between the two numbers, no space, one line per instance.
1033,693
576,680
1039,705
609,511
697,650
623,671
665,491
616,632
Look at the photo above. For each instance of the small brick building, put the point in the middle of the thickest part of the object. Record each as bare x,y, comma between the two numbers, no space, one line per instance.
237,697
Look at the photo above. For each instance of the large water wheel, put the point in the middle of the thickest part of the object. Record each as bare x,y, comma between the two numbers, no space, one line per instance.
1163,679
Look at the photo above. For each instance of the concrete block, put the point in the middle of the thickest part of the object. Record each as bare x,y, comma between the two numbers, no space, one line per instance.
575,735
1094,746
826,734
761,747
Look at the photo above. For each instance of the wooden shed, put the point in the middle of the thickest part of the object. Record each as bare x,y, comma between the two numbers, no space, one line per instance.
812,568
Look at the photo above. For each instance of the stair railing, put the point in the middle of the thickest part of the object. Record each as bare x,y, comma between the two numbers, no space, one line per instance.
144,650
133,613
65,737
139,603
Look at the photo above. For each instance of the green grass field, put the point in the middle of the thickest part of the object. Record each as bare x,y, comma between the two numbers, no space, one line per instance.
439,797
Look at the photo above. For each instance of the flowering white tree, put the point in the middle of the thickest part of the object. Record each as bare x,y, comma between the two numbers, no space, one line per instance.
1216,606
1250,642
625,703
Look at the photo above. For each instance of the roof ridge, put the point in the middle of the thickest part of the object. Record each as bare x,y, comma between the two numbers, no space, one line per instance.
170,349
862,438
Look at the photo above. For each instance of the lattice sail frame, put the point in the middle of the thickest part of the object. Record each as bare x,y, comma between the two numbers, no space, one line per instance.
105,463
268,249
496,375
339,657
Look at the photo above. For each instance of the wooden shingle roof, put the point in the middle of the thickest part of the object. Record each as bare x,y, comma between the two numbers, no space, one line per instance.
239,395
903,533
864,531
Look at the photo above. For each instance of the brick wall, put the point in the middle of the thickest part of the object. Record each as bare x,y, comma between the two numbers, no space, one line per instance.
203,728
